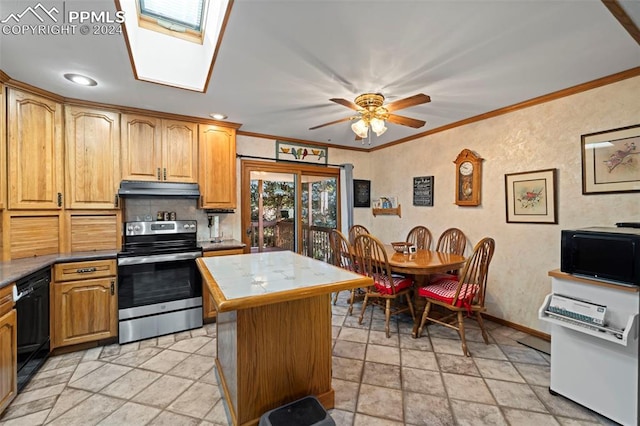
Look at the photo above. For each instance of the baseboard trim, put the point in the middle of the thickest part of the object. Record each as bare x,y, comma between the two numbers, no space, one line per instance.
531,331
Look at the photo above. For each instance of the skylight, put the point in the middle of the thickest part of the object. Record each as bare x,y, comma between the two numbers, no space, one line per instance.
172,52
179,19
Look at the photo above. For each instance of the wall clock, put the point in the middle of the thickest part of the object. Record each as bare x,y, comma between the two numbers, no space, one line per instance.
468,178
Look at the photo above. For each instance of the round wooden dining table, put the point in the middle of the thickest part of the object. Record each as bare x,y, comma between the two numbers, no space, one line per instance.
423,262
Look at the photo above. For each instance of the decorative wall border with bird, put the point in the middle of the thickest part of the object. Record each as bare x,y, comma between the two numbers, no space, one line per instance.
298,152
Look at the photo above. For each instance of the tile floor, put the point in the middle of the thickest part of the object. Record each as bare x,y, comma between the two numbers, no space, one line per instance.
399,380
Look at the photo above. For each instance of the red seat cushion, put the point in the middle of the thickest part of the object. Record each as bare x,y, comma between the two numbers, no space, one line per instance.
383,286
435,278
445,290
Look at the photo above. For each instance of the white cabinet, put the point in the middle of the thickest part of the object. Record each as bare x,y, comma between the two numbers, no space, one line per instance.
597,369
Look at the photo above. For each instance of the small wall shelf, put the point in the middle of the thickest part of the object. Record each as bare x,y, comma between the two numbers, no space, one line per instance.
392,211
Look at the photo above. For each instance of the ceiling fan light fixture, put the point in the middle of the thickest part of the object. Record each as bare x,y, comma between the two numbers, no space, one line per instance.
360,128
377,125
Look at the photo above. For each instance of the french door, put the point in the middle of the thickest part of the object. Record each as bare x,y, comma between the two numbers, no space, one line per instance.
289,207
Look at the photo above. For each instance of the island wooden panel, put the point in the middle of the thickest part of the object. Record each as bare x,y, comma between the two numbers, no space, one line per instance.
298,331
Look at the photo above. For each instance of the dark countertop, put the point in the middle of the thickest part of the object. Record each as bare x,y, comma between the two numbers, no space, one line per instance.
13,270
224,245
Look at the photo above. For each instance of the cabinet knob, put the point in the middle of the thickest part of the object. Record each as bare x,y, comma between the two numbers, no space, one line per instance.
59,199
159,177
164,173
113,287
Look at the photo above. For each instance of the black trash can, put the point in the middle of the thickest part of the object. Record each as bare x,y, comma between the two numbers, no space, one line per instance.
306,411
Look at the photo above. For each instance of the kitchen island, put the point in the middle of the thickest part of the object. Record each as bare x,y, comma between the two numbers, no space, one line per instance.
273,328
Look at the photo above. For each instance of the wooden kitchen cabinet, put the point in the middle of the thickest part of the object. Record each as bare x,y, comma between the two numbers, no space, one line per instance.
8,348
30,233
84,302
88,230
34,152
208,307
92,145
217,177
158,150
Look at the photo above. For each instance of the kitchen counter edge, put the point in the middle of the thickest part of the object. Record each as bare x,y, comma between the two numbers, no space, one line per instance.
224,245
13,270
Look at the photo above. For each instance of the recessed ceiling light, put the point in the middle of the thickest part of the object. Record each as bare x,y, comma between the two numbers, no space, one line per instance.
217,116
80,79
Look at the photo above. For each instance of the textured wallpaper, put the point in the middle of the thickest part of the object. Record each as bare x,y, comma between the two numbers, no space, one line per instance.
541,137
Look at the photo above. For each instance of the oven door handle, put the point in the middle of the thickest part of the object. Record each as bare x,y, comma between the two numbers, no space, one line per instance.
141,260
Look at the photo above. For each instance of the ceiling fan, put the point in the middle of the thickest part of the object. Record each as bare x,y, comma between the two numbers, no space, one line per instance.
372,113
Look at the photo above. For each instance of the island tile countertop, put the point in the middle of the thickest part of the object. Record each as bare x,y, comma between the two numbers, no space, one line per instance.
248,280
223,245
13,270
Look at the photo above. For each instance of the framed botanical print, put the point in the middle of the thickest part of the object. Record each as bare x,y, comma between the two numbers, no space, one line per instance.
611,161
531,197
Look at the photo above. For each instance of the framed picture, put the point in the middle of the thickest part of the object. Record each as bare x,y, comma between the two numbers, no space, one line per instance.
531,197
361,193
423,191
611,161
301,153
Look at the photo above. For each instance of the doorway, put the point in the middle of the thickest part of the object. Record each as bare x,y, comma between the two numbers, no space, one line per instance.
289,207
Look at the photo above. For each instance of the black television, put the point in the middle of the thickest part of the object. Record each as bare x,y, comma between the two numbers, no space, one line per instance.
610,254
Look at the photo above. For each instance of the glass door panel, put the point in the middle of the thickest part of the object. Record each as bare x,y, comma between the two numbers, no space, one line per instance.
319,208
273,212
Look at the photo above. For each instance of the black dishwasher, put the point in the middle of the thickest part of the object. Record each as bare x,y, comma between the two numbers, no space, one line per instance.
32,308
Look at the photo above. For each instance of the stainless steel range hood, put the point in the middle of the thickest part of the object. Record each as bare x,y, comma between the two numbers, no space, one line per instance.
132,188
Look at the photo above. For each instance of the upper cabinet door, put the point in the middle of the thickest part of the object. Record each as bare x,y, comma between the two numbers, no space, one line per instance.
93,153
35,168
217,169
179,151
141,147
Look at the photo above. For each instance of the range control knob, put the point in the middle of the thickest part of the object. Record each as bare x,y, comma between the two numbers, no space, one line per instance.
137,228
192,226
129,228
186,226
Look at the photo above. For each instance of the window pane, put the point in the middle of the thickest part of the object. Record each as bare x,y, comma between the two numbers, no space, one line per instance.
188,14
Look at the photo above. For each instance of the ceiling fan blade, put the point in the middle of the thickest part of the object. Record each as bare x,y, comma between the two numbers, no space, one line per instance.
418,99
331,122
346,103
406,121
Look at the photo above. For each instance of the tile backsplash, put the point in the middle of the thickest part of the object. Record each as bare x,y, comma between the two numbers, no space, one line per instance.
141,209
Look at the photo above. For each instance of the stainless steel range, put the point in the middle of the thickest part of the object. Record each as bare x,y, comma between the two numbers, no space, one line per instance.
159,285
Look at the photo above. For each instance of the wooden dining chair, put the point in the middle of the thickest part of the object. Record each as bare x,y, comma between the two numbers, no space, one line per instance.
342,257
420,236
371,258
452,240
356,230
463,295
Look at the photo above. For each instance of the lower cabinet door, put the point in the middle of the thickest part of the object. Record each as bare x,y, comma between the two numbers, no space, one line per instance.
8,358
84,311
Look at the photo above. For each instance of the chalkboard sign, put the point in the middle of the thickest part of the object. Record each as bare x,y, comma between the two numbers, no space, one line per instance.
361,193
423,191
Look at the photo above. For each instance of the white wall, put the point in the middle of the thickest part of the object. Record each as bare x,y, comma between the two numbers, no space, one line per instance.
540,137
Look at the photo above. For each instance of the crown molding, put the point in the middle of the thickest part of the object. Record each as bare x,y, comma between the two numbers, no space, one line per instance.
604,81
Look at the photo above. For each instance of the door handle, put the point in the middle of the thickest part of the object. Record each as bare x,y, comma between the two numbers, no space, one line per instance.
113,287
115,200
86,270
59,199
164,173
159,178
249,231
